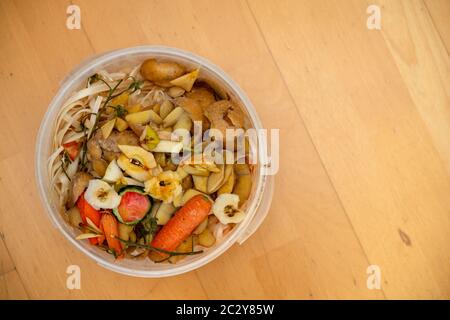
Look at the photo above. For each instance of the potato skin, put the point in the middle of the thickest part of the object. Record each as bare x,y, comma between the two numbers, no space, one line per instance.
243,188
99,166
161,71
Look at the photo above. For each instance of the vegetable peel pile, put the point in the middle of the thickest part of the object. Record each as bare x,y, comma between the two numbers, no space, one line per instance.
115,170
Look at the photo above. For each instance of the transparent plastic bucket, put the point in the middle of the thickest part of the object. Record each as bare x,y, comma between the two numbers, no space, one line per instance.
257,205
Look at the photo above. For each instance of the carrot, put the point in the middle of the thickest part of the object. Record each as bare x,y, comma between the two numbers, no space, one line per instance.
72,149
86,210
110,228
183,223
101,239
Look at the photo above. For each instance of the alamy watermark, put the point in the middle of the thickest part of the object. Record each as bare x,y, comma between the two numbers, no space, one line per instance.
73,20
374,20
239,146
73,281
374,277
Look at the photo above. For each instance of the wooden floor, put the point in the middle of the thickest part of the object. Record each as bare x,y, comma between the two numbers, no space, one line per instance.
365,143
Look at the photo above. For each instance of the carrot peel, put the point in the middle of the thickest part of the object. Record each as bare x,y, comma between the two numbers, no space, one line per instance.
86,210
110,228
182,224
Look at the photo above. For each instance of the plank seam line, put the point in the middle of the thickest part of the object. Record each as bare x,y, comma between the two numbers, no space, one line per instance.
410,91
435,27
15,266
310,136
14,269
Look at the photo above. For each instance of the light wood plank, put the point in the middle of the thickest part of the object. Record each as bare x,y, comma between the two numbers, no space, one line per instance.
370,135
440,13
11,287
186,286
60,49
6,263
424,65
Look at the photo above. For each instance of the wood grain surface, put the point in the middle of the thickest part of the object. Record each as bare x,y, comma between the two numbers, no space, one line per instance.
365,149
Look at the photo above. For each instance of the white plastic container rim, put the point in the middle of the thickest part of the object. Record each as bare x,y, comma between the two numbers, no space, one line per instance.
259,203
